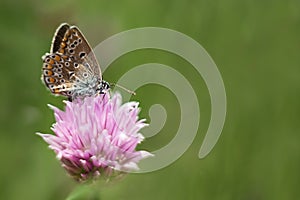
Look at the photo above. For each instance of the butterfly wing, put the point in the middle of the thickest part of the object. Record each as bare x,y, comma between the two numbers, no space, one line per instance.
70,41
71,61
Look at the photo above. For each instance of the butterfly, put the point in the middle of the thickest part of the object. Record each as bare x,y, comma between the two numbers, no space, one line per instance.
71,68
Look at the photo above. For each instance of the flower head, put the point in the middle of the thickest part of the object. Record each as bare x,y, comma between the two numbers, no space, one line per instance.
97,136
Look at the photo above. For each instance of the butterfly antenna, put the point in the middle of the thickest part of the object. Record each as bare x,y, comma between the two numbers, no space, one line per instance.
123,88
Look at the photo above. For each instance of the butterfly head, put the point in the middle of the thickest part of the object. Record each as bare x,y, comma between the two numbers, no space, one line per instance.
102,87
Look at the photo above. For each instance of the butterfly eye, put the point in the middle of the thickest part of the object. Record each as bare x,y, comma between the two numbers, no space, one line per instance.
76,65
71,51
62,81
67,64
60,76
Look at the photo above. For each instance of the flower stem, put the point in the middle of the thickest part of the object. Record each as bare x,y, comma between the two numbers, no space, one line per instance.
84,192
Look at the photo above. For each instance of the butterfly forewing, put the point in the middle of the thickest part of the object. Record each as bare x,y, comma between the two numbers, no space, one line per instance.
70,41
84,52
59,37
71,63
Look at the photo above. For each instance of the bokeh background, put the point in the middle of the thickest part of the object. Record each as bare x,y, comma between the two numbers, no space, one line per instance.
255,45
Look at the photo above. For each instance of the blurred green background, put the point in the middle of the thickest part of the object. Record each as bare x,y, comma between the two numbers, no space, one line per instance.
255,45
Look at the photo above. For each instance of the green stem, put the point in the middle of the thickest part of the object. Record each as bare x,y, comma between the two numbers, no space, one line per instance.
84,192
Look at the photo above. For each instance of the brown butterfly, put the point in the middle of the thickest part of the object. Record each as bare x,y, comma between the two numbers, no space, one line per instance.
71,68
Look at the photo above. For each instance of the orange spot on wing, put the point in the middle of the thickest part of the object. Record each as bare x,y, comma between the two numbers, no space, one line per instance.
47,66
56,90
66,36
51,80
62,44
51,62
57,57
64,39
50,73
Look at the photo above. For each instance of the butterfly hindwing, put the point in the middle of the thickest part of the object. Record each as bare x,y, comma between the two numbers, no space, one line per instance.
58,74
